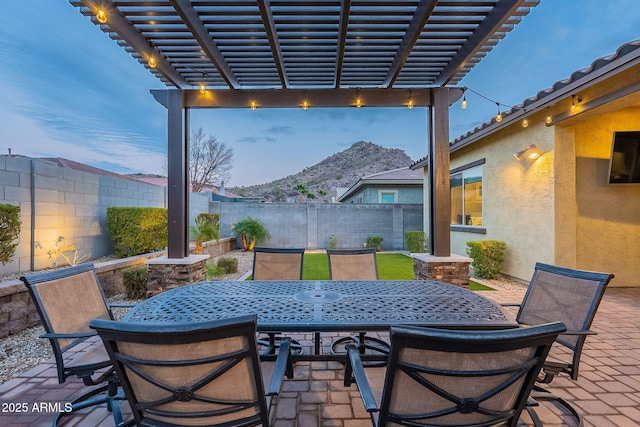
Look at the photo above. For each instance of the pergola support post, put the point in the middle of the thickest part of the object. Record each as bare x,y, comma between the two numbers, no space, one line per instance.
178,181
438,174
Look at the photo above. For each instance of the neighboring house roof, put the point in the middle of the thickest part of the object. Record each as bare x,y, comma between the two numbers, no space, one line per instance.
626,56
66,163
162,181
401,176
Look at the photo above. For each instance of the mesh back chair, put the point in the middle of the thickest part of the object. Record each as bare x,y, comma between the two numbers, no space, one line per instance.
196,374
438,377
558,294
277,264
67,300
356,264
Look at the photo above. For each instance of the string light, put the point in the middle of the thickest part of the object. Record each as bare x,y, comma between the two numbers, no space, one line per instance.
573,103
305,105
499,116
101,16
152,62
464,102
549,119
203,88
253,105
358,99
410,104
525,122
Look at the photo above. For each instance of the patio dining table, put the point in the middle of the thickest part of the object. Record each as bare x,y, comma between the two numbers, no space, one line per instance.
327,306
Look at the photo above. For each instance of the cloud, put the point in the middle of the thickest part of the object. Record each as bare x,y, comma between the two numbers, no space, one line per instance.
281,130
257,140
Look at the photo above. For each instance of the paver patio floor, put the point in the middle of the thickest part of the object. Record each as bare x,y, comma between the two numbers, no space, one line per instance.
606,394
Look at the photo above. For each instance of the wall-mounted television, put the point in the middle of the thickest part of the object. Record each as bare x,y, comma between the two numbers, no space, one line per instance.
625,158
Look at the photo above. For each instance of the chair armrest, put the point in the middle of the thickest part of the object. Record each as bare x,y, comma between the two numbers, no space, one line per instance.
122,305
511,304
354,364
283,366
73,335
579,332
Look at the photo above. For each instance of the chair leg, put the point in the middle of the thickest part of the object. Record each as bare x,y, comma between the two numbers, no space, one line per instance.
364,344
87,400
540,394
272,343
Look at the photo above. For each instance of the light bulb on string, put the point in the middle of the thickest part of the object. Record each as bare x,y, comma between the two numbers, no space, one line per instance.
203,88
573,103
101,16
499,116
464,102
525,122
152,62
549,119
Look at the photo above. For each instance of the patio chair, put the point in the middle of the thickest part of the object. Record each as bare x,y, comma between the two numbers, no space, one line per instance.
356,264
201,373
558,294
277,264
67,300
438,377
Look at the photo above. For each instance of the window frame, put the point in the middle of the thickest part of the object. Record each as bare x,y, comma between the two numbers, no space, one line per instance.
395,196
480,229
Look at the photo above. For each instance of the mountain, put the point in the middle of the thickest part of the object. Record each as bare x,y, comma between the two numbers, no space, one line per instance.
342,169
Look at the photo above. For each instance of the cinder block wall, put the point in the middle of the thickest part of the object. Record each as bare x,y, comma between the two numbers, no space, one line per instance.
309,225
56,201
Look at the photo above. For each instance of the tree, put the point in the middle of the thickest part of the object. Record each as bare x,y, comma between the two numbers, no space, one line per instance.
251,231
210,161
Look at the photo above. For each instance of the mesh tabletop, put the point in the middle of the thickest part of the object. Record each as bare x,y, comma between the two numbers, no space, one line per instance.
309,306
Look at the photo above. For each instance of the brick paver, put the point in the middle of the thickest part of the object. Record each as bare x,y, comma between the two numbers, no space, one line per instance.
606,394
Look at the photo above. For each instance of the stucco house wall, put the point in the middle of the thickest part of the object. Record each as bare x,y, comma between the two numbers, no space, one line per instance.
607,215
517,196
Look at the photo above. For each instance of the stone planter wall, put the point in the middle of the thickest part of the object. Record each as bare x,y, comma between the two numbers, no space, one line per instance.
453,269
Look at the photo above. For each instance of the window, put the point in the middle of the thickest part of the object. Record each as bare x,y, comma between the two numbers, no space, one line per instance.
387,196
466,197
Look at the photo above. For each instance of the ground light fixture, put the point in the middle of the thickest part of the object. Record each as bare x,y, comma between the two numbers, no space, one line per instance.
529,153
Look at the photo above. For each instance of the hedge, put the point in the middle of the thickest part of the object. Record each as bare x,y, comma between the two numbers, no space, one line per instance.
136,231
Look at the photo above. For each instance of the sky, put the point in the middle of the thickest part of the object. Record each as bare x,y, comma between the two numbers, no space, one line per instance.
68,90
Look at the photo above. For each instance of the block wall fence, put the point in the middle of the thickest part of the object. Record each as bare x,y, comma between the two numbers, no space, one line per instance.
58,201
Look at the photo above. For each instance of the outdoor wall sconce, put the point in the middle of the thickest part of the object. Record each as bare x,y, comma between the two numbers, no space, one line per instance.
530,153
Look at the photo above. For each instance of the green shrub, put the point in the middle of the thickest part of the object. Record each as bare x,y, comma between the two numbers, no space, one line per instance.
487,255
416,241
213,270
9,231
228,265
375,242
135,281
136,231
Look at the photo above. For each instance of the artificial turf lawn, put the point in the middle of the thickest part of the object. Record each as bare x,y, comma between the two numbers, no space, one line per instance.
391,266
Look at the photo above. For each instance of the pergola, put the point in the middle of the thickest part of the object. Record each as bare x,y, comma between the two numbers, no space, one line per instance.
320,53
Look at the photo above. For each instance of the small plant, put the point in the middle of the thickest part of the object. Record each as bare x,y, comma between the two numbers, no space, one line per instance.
416,241
487,255
228,265
333,241
9,231
135,281
213,270
251,231
375,242
68,253
204,230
